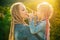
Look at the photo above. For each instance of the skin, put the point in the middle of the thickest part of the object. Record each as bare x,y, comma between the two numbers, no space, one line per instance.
43,12
23,12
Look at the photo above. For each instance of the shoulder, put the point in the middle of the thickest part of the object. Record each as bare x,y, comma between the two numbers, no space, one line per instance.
19,27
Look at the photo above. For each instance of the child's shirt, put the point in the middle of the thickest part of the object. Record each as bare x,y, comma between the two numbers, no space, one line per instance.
39,29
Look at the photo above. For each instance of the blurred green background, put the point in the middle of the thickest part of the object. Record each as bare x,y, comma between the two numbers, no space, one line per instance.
5,16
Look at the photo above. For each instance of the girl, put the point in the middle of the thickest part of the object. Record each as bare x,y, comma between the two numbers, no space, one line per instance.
44,12
19,29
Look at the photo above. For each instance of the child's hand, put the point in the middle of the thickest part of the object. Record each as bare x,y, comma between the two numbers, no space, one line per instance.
31,16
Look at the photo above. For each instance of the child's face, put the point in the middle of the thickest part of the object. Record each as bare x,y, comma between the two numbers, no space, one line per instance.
44,10
23,12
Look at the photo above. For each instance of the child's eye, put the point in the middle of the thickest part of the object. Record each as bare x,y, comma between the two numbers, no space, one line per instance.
23,10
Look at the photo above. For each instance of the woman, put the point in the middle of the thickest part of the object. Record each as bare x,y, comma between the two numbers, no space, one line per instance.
44,12
19,29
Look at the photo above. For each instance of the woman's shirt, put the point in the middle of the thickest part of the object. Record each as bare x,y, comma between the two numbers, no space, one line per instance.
22,32
39,29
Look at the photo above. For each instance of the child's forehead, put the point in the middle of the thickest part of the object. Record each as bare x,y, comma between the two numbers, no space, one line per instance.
44,5
45,8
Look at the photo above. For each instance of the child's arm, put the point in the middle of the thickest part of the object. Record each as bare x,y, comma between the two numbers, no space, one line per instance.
35,29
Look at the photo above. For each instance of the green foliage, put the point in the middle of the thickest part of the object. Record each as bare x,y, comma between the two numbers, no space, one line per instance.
4,23
55,23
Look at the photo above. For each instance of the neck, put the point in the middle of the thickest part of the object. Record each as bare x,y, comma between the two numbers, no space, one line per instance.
25,22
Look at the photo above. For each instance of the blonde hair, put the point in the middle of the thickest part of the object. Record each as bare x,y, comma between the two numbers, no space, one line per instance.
16,18
50,8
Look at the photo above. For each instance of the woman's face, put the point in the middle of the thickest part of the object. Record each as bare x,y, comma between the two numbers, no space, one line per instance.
23,12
